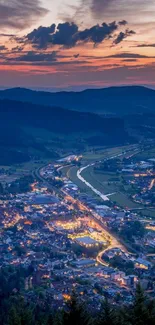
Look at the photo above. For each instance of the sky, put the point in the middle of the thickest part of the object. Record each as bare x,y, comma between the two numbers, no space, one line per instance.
76,44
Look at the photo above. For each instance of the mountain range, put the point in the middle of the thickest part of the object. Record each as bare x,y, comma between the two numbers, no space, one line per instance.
28,130
41,124
113,100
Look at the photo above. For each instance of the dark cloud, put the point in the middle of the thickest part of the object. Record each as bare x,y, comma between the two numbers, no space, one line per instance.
17,49
68,35
41,36
32,56
20,14
123,22
122,35
98,33
130,60
6,35
42,60
128,55
76,56
3,48
65,35
146,45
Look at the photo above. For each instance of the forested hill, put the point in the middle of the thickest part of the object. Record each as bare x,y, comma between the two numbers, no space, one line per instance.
113,100
27,130
56,119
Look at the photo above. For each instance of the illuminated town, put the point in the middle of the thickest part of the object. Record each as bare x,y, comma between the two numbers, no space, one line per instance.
69,240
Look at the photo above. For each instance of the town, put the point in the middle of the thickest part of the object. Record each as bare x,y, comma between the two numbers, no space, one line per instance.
66,239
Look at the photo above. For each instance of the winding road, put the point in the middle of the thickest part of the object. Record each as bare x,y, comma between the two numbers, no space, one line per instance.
113,240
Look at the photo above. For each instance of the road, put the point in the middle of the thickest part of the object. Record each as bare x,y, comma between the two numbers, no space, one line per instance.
113,240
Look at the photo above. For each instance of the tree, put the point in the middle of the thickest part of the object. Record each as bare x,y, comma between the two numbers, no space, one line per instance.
14,317
1,189
58,319
140,311
76,313
108,315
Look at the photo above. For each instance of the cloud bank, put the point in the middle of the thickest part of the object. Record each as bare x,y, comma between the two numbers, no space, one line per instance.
68,34
20,14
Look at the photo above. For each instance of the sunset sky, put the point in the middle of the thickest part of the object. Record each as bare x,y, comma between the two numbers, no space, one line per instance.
76,44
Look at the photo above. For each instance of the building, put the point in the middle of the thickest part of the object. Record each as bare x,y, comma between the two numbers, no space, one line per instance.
142,264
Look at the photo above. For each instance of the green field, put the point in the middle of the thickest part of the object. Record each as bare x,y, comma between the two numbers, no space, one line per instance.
148,213
148,154
72,175
107,184
20,170
102,153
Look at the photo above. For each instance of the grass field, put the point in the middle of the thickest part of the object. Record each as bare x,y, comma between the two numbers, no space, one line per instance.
102,153
107,184
124,201
72,175
20,170
148,213
146,154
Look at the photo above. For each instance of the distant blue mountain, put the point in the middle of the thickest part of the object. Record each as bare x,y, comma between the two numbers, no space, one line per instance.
114,100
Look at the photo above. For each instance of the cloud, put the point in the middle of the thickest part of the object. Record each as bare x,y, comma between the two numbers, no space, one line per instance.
32,56
64,34
68,34
122,35
130,60
17,49
76,56
98,33
3,48
98,6
6,35
123,22
42,36
128,55
146,45
20,14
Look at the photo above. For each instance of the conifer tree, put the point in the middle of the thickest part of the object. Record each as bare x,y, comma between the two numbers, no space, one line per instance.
14,317
76,314
140,311
107,316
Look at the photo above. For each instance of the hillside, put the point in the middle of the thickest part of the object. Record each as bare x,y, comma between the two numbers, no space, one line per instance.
113,100
28,130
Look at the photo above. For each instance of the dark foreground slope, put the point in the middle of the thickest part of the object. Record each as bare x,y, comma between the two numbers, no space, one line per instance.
39,307
19,123
114,100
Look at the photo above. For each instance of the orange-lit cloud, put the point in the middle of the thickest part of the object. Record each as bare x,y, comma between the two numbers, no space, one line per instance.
82,51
